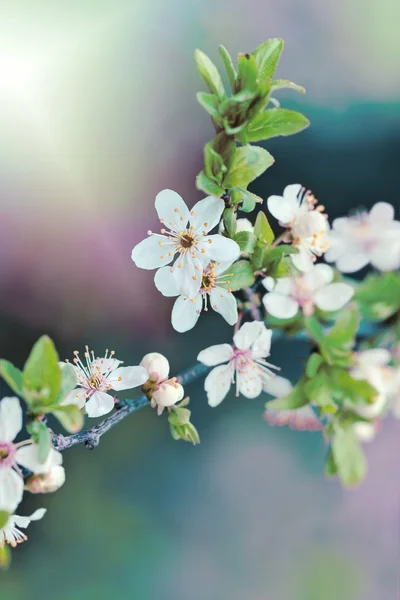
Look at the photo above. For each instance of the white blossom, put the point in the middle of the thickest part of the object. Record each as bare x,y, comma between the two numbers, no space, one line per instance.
10,534
365,432
185,233
241,225
306,291
46,483
186,311
373,367
297,211
96,377
13,456
162,390
245,361
365,238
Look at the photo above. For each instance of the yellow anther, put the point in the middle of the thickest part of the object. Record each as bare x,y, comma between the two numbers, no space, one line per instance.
205,224
161,243
192,213
180,266
176,210
210,241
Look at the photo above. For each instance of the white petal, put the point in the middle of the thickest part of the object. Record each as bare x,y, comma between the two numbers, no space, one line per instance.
168,394
280,306
172,210
262,344
250,384
337,247
219,248
224,303
318,277
382,213
126,378
153,252
247,334
375,357
76,396
217,384
186,312
333,296
206,214
352,262
277,386
11,489
365,432
28,457
386,256
187,272
105,365
283,285
99,404
215,355
24,521
302,260
292,191
244,225
284,208
156,365
10,418
269,283
164,281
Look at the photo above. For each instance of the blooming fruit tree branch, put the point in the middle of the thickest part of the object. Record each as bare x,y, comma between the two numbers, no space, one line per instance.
207,255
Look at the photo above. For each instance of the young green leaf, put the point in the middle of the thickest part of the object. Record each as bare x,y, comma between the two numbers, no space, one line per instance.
44,441
5,557
314,329
248,163
313,364
4,516
348,457
208,186
209,74
330,466
248,200
295,399
263,230
68,381
274,122
247,74
228,64
246,241
210,104
229,220
240,275
11,375
267,57
70,417
378,296
319,390
41,371
280,84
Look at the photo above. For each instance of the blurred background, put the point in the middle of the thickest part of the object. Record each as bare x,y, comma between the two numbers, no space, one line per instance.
97,114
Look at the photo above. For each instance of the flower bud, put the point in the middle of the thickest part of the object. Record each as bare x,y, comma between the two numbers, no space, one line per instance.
241,225
46,482
168,394
157,365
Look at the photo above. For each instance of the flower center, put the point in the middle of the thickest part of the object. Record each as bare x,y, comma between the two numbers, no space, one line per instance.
95,381
7,452
187,240
242,359
303,296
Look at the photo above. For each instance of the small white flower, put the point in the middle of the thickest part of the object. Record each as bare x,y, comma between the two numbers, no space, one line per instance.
246,360
305,291
186,233
365,238
186,311
297,210
302,419
372,366
365,432
163,392
97,377
10,534
47,482
241,225
12,456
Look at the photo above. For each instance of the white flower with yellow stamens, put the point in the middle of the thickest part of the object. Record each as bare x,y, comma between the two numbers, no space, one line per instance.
163,391
297,210
97,377
186,311
10,534
186,233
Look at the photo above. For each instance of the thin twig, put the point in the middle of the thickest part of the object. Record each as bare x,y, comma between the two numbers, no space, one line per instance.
254,308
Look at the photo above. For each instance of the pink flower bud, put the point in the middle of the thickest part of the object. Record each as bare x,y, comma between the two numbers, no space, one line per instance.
157,365
46,482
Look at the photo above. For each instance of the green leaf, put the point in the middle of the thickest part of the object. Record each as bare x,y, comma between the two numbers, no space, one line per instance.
214,164
229,220
296,398
210,104
248,163
343,332
348,457
273,254
318,390
12,376
247,74
314,329
208,186
313,364
209,74
356,391
68,381
379,296
228,64
280,84
5,557
41,374
262,229
240,275
274,122
225,146
4,516
246,240
248,199
70,417
44,441
267,57
330,466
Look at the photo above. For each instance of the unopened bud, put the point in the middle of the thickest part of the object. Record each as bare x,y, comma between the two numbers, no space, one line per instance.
46,482
157,365
168,394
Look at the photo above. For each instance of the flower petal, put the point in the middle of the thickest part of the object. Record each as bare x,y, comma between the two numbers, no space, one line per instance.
247,334
302,260
76,396
172,210
186,312
375,357
280,306
153,252
284,208
219,248
156,365
269,283
217,384
187,272
386,256
277,386
352,261
365,432
318,277
214,355
11,489
250,384
99,404
262,345
381,213
28,457
206,214
333,296
224,303
105,365
126,378
10,418
337,247
164,281
24,521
